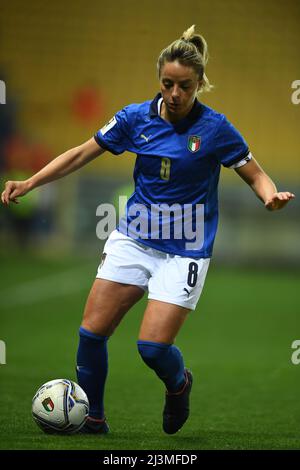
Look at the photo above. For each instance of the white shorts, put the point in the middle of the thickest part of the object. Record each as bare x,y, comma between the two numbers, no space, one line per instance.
169,278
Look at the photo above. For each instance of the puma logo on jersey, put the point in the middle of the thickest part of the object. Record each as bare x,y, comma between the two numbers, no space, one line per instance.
146,138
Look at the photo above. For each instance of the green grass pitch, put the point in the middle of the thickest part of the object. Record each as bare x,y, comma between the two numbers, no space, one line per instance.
237,343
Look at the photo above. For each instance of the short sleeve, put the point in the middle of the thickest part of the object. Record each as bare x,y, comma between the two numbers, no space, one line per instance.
113,136
231,148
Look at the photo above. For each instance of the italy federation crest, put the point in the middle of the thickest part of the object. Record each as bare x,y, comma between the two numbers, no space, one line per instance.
48,404
194,143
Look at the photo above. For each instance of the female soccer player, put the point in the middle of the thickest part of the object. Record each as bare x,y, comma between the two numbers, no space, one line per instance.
164,243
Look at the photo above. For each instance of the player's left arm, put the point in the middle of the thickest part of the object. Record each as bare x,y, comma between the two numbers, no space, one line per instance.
263,186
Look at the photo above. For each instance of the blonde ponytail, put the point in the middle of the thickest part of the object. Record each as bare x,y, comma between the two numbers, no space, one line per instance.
189,33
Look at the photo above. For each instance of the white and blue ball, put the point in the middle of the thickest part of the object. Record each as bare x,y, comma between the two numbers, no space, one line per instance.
60,406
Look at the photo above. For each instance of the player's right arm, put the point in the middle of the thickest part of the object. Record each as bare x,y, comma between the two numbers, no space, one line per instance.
62,165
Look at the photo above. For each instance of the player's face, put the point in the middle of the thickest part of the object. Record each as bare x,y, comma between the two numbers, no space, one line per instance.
179,86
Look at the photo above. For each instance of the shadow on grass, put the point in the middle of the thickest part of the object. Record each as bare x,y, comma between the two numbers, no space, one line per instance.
207,440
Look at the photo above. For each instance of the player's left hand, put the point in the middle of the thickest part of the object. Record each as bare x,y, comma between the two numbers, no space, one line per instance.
279,200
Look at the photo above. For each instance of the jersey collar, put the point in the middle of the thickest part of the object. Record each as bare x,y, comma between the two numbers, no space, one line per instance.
184,124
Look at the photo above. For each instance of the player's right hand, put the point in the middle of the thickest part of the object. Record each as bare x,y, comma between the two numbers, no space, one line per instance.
14,189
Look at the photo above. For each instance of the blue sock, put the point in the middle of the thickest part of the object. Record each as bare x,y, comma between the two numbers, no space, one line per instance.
166,360
92,367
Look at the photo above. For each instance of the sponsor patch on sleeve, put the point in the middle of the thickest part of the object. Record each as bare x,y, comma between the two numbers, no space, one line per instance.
109,125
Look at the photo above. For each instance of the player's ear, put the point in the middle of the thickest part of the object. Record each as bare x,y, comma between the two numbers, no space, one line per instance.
200,84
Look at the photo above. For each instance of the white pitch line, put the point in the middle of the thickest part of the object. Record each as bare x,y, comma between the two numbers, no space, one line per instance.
49,287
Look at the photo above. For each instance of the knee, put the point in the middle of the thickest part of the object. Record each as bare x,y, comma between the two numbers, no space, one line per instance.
86,334
152,353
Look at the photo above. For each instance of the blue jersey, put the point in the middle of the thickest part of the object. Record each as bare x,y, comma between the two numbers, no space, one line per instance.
174,207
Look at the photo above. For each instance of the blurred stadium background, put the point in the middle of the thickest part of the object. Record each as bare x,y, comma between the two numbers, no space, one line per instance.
68,67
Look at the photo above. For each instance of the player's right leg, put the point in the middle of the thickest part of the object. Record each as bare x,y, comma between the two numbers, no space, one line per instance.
106,305
121,281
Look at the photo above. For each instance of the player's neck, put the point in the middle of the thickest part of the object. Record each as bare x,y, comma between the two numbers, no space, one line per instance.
172,117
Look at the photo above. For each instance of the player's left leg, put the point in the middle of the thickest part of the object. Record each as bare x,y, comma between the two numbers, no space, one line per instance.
160,325
159,328
174,290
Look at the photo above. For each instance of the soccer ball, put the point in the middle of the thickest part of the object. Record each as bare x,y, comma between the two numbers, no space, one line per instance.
60,406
